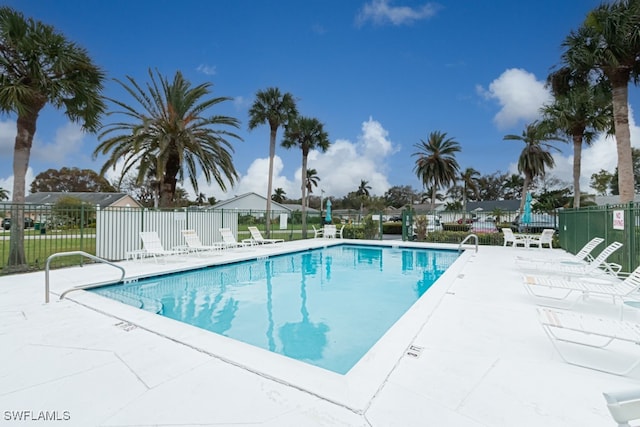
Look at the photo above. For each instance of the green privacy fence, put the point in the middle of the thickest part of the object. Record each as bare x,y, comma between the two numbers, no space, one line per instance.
611,222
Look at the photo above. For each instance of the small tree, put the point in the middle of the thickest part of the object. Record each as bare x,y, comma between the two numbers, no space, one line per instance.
421,222
73,212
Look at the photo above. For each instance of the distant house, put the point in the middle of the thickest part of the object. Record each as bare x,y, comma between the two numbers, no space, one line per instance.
489,205
104,200
249,201
294,207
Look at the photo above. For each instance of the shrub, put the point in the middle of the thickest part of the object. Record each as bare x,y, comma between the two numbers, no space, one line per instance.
392,228
352,232
454,226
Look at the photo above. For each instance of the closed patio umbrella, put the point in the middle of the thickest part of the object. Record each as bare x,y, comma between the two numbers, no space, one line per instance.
526,214
327,218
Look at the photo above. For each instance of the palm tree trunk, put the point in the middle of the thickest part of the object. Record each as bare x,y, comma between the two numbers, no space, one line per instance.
577,165
623,137
169,181
272,154
525,190
304,196
26,129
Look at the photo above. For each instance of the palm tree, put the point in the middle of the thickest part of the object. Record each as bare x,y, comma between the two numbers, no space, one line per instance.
307,134
312,180
363,189
4,194
609,42
278,195
436,164
39,66
201,199
276,109
363,192
428,194
172,134
535,157
469,184
580,111
512,186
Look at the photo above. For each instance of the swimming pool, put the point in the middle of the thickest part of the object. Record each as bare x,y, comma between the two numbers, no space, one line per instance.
326,306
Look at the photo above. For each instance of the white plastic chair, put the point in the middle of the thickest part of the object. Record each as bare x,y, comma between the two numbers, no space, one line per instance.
545,238
510,237
229,240
604,286
583,256
256,237
152,245
624,406
194,244
568,327
598,266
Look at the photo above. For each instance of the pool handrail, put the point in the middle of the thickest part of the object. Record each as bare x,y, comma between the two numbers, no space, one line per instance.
77,288
467,238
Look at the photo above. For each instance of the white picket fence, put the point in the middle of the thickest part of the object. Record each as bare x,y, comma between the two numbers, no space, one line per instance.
118,230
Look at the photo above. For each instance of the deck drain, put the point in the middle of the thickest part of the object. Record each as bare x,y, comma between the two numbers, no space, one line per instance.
126,326
414,351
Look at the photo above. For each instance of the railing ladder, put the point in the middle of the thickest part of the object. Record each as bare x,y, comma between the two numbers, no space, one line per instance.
76,288
465,240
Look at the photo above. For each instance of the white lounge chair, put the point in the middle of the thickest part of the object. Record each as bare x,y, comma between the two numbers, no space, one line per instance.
194,244
152,245
229,240
582,257
511,239
624,406
586,286
545,238
597,267
256,237
568,327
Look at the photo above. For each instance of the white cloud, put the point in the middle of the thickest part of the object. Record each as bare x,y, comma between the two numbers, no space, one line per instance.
7,183
255,180
209,70
381,12
345,164
67,142
520,97
340,169
240,102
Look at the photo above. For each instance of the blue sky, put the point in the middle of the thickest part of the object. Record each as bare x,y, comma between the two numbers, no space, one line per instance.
380,74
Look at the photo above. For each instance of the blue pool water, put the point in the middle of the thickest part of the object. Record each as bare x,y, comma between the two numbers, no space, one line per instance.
326,307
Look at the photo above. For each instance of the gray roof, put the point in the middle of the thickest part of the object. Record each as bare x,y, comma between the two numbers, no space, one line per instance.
295,207
102,199
490,205
223,203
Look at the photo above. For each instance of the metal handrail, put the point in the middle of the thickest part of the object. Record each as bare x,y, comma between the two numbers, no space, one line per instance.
76,288
467,238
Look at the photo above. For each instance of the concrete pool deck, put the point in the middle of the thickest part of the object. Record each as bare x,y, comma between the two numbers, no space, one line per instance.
482,360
